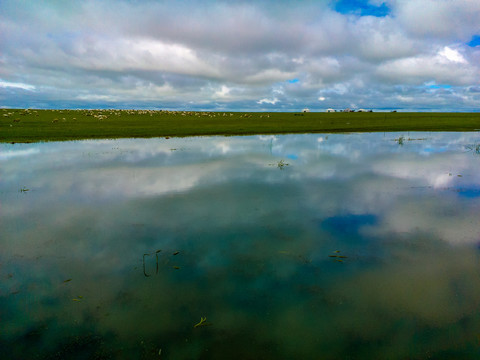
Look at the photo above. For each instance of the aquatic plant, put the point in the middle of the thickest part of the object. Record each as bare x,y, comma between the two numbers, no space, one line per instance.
337,257
474,147
156,262
203,322
280,164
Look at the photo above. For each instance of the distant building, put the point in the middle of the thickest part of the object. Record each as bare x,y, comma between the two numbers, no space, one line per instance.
306,110
330,110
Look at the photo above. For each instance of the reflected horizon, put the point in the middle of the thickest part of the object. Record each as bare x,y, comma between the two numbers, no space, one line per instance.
291,246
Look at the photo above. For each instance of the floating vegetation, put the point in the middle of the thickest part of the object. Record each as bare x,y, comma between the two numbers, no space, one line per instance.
280,164
401,140
203,322
156,262
419,139
474,147
337,257
68,280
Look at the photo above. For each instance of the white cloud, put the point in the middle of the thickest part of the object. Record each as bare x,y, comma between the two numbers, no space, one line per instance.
268,101
223,92
441,19
7,84
445,66
452,55
237,53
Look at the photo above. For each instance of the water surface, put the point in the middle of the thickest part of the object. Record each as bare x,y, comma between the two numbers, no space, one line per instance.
348,246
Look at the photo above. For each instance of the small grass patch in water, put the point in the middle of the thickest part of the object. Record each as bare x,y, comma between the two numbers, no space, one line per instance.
280,164
474,147
337,257
203,322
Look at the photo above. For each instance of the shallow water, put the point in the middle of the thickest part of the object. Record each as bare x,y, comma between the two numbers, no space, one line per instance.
349,246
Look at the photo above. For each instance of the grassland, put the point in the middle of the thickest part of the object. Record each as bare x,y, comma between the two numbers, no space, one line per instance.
59,125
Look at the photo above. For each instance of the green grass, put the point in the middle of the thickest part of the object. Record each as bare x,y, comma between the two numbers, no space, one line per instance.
58,125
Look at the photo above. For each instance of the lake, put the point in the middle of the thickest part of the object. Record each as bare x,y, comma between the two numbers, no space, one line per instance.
315,246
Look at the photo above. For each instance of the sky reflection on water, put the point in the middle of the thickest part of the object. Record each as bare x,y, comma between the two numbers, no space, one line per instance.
254,247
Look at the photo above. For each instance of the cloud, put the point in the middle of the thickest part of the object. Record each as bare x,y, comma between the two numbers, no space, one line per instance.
6,84
146,53
442,20
223,92
445,66
268,101
452,55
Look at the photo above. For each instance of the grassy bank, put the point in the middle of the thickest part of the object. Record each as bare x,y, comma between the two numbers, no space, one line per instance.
55,125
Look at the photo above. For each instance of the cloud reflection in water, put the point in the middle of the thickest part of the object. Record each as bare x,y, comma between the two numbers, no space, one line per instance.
243,243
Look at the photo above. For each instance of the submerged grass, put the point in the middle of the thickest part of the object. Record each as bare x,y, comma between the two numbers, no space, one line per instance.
474,147
28,125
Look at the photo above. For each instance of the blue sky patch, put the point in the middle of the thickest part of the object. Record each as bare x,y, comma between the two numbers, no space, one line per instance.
293,81
439,86
361,7
475,41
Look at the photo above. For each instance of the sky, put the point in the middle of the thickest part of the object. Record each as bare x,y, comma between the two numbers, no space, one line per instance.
242,55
